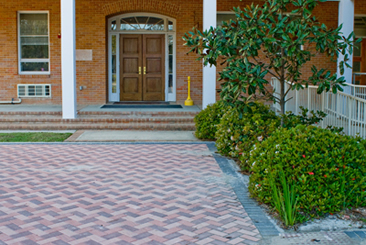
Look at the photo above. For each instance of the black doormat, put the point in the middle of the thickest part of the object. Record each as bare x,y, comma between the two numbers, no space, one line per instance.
141,103
134,106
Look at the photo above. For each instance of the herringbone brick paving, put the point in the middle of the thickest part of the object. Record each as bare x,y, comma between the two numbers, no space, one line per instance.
118,194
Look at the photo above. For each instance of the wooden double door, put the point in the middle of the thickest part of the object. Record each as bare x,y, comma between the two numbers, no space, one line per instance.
142,67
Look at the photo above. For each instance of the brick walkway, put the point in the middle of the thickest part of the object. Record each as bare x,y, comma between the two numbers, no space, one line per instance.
118,194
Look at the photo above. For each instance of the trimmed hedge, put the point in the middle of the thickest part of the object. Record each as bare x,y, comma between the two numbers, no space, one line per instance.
328,169
208,119
237,133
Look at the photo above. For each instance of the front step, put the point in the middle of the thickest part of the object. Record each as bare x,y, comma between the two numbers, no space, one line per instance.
116,120
137,126
114,113
49,120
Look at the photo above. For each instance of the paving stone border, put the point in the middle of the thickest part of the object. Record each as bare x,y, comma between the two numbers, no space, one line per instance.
111,143
259,218
359,235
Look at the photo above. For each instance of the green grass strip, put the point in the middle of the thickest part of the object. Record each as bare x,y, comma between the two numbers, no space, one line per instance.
34,137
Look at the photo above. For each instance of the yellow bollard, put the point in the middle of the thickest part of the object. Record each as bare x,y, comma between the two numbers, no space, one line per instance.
189,101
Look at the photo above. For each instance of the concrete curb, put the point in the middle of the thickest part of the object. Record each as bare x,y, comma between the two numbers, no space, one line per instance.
108,143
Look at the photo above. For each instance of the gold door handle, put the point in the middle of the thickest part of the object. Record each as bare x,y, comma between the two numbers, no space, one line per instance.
144,70
140,70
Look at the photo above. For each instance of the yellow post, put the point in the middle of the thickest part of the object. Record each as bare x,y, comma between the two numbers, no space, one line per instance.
189,101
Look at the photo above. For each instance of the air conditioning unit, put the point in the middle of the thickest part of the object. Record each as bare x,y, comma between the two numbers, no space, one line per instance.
34,90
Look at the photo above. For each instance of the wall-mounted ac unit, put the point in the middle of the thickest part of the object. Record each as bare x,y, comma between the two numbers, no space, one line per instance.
34,90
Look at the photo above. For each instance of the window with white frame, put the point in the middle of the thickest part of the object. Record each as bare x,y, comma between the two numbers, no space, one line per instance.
33,43
225,17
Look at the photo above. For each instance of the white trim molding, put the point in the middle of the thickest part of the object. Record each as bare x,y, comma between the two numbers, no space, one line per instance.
68,59
346,17
209,73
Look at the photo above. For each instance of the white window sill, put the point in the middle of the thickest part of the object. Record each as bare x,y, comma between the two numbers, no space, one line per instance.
35,73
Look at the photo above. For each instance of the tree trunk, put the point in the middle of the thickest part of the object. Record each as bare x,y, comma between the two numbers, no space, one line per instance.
283,84
282,99
282,102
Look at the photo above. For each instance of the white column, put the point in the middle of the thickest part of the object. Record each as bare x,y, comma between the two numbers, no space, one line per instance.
68,63
346,17
209,73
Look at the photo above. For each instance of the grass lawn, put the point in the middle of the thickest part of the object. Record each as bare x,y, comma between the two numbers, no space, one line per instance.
34,137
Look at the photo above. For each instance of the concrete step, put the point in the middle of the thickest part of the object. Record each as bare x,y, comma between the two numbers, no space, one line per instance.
140,113
118,120
99,126
93,120
104,113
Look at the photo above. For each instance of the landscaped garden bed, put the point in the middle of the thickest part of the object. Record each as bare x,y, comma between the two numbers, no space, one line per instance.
300,172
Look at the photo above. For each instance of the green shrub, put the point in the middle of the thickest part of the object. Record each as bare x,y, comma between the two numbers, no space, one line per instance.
304,118
208,119
263,126
327,169
236,134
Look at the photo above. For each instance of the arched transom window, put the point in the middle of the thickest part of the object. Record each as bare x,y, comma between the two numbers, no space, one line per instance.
141,23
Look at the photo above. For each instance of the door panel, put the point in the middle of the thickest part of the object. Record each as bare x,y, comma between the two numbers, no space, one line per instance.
154,62
131,63
153,66
153,85
153,44
130,85
131,44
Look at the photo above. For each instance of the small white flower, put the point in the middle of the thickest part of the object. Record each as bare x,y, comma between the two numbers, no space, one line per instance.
232,138
253,164
277,146
260,138
277,152
228,130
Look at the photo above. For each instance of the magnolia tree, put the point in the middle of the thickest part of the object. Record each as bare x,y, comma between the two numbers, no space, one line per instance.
273,40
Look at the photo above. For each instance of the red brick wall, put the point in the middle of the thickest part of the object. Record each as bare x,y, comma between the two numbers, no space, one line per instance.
9,77
360,7
91,34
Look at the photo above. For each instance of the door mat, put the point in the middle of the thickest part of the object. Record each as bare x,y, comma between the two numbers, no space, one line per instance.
141,103
134,106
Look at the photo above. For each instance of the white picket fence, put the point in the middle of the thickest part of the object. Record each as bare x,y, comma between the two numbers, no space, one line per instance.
346,110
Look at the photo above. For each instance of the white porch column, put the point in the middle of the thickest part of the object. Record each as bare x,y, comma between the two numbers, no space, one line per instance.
68,63
346,17
209,73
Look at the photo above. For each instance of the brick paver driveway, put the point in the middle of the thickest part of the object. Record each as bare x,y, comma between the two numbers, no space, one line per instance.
117,194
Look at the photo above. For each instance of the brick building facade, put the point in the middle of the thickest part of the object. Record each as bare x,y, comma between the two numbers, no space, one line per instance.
93,78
